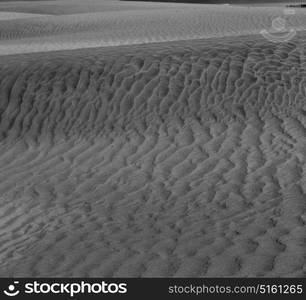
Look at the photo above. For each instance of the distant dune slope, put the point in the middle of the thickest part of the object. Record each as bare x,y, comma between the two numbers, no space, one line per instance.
16,15
178,159
67,7
137,26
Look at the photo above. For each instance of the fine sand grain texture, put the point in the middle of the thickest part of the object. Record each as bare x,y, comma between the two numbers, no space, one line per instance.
176,159
134,24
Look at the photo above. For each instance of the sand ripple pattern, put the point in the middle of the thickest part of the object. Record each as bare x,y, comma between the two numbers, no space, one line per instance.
185,160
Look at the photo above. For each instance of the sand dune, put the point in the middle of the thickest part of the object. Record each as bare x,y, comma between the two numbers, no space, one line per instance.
68,7
156,23
171,159
16,15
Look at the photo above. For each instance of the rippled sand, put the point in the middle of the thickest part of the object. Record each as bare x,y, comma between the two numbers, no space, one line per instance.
176,160
168,159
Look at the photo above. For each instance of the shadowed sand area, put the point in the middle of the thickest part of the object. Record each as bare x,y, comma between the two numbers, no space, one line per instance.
170,159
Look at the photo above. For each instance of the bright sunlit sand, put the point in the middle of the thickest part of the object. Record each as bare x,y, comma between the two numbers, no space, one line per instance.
130,23
170,141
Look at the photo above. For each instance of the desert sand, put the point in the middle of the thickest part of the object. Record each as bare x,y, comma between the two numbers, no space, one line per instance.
172,149
100,24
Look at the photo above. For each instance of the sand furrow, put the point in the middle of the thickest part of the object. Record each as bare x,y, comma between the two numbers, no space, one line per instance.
180,160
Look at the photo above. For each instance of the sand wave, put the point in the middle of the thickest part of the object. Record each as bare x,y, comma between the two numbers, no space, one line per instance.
161,160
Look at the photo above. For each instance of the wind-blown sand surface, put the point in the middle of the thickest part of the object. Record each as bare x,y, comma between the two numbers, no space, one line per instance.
166,159
134,24
170,161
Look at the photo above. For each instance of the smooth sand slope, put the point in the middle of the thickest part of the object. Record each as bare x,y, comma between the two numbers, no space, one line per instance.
173,159
100,24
